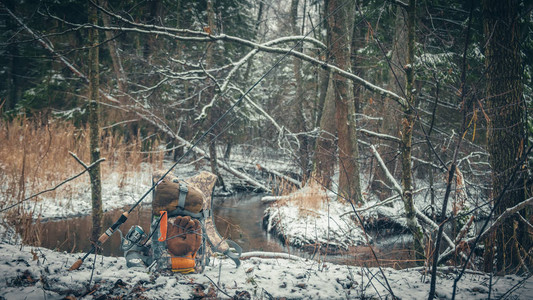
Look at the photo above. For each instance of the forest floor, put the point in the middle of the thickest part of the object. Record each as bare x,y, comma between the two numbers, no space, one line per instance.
28,272
39,273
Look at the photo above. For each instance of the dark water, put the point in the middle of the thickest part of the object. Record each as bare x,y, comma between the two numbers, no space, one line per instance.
238,218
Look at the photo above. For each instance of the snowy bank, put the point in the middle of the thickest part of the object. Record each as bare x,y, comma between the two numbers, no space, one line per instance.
313,228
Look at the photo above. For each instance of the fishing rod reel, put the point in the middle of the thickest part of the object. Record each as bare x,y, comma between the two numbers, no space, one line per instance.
137,254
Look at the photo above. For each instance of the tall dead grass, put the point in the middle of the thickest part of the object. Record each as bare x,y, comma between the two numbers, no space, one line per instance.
35,156
308,199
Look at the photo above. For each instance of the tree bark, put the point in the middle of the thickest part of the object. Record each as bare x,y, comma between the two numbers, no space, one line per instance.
506,138
210,94
94,173
406,135
115,56
340,23
389,108
298,101
324,165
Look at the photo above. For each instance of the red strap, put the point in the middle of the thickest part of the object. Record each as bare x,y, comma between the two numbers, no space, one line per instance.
163,226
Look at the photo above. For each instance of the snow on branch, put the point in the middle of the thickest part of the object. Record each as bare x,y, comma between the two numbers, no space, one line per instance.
398,189
506,214
241,175
274,255
283,132
379,135
389,176
224,86
200,36
278,174
380,203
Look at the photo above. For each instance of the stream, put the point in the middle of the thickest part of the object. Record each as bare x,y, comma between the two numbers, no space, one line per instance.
238,217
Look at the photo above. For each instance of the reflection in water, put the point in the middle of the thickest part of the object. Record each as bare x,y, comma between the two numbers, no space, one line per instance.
238,218
72,235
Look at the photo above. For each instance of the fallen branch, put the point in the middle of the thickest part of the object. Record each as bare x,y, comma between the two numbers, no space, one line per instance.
274,255
269,199
389,176
398,188
506,214
202,153
278,174
380,203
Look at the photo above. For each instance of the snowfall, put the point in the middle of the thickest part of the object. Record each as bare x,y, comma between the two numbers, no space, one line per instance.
29,272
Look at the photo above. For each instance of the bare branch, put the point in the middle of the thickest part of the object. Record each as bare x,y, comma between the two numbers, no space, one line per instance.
389,176
379,135
278,174
200,36
506,214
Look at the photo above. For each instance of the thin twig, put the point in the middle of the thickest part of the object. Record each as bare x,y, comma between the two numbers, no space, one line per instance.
223,292
495,206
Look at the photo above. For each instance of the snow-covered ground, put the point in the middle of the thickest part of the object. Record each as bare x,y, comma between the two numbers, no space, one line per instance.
38,273
326,225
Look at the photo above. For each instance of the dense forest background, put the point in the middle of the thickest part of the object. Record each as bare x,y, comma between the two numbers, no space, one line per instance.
423,99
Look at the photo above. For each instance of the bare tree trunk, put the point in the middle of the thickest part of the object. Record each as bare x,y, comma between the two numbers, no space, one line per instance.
210,95
406,136
357,38
325,152
14,92
391,119
256,31
115,56
298,101
323,83
340,24
94,173
506,138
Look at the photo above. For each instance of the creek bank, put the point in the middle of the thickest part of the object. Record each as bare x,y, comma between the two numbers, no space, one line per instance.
323,228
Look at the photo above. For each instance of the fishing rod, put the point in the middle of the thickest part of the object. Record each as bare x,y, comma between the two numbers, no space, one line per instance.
124,217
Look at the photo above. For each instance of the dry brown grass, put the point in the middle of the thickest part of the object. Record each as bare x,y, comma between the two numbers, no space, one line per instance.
309,199
35,156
